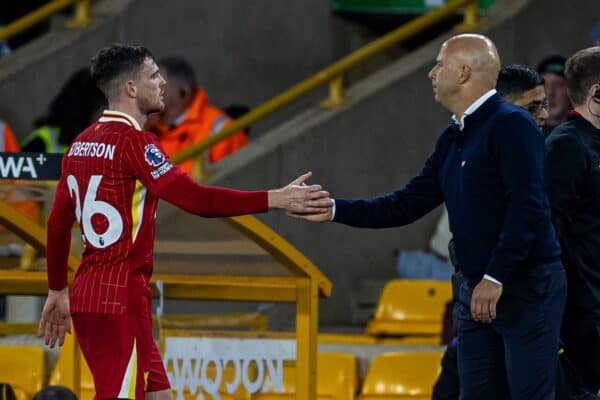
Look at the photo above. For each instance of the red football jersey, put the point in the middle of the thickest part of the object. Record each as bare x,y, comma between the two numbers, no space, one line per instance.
111,179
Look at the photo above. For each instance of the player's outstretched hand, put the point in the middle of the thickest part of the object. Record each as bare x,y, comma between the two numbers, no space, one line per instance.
300,198
55,321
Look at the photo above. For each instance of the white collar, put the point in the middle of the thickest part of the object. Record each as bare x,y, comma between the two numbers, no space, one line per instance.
118,116
472,108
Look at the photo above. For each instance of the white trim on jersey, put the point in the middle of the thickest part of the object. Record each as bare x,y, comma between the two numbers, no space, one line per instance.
118,116
130,379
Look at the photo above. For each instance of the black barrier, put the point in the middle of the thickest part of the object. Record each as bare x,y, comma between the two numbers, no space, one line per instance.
30,166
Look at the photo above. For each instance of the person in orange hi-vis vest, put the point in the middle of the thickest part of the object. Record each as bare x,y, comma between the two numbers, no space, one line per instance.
9,144
188,118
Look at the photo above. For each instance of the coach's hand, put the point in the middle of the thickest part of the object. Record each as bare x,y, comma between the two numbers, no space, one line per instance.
325,216
484,300
55,321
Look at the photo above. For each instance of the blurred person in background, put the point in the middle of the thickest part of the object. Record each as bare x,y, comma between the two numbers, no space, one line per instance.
573,179
552,69
9,144
188,117
78,103
4,48
524,87
236,111
55,393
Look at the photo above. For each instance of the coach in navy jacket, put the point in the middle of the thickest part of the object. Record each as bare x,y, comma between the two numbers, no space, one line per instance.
488,167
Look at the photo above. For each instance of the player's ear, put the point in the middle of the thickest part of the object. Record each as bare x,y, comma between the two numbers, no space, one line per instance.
130,89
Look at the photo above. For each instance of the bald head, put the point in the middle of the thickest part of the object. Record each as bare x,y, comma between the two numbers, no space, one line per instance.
466,67
478,53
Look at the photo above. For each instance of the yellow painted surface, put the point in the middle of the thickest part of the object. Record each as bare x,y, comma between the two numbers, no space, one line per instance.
365,340
28,230
18,328
82,17
411,307
249,321
24,367
402,376
307,321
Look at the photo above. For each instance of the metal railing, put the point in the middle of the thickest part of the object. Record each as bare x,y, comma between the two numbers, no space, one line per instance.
80,19
332,75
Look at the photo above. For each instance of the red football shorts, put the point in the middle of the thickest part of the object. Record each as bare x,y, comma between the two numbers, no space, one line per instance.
121,354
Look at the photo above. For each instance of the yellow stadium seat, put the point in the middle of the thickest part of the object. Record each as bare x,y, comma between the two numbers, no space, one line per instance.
252,321
62,374
337,379
24,368
411,307
21,394
365,340
395,376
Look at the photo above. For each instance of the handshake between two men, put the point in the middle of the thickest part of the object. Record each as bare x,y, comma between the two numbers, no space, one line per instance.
300,200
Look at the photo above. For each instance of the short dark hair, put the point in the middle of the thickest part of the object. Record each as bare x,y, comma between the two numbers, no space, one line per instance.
55,393
554,64
180,69
516,79
115,61
582,71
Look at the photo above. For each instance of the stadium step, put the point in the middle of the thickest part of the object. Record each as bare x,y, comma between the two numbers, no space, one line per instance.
191,245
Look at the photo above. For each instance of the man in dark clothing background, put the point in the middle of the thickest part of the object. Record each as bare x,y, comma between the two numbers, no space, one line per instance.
488,167
552,70
573,168
524,87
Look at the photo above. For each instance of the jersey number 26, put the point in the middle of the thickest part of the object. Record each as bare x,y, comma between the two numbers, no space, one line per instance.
90,206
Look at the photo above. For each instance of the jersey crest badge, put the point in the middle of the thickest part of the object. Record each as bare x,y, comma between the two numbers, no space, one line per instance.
153,155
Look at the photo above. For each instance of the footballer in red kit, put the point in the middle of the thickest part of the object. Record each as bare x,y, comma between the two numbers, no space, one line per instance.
112,177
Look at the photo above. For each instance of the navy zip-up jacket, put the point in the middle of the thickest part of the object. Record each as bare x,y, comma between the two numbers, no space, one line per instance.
491,177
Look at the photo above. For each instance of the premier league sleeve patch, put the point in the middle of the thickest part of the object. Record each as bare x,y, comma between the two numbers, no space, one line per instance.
154,157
